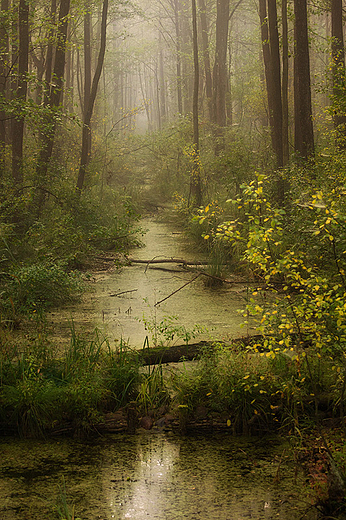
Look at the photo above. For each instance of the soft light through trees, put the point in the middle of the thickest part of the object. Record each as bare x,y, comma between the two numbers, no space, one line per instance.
144,71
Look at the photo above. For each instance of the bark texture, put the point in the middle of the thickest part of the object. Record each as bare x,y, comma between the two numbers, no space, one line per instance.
303,125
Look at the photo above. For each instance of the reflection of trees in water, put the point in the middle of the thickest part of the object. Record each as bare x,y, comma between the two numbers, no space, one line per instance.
153,475
198,477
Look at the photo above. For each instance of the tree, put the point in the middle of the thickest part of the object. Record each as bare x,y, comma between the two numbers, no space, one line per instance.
87,67
220,65
85,157
276,81
285,146
338,72
303,125
4,71
271,59
21,91
176,6
195,181
53,101
206,56
50,53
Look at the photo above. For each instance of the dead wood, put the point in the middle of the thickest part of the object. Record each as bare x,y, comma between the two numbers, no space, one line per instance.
156,260
178,353
177,290
123,292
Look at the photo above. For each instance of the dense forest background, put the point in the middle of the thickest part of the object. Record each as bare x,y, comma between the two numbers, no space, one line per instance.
83,81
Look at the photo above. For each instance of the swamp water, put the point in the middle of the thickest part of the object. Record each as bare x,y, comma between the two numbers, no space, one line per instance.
151,476
123,299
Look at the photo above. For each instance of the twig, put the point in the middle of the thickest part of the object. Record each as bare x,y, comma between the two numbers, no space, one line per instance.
174,292
123,292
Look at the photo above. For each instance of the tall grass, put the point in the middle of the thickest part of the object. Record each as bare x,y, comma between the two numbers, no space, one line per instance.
255,391
37,391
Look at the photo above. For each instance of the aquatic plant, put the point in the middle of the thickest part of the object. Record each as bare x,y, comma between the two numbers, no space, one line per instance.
63,509
152,390
122,375
166,332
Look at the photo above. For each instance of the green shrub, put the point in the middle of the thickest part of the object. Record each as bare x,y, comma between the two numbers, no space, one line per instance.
268,389
31,404
38,287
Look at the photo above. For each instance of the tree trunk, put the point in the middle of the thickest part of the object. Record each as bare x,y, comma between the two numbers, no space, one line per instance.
195,181
22,87
304,135
85,158
267,65
55,94
276,80
206,56
87,67
68,100
187,82
50,52
178,53
220,66
162,88
338,72
285,146
4,68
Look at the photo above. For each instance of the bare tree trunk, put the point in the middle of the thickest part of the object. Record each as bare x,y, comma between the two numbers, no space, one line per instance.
178,53
285,146
88,113
87,67
50,52
195,181
187,84
206,56
304,134
4,68
266,61
68,100
162,89
338,72
22,87
220,67
276,80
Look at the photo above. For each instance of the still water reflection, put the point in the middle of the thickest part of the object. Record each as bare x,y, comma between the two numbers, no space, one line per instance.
151,475
122,298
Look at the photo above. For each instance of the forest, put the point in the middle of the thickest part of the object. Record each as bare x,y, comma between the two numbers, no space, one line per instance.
231,115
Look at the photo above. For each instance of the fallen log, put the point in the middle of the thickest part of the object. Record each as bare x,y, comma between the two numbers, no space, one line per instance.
180,353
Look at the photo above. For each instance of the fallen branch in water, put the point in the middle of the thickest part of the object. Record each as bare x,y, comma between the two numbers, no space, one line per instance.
177,290
203,273
123,292
156,260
